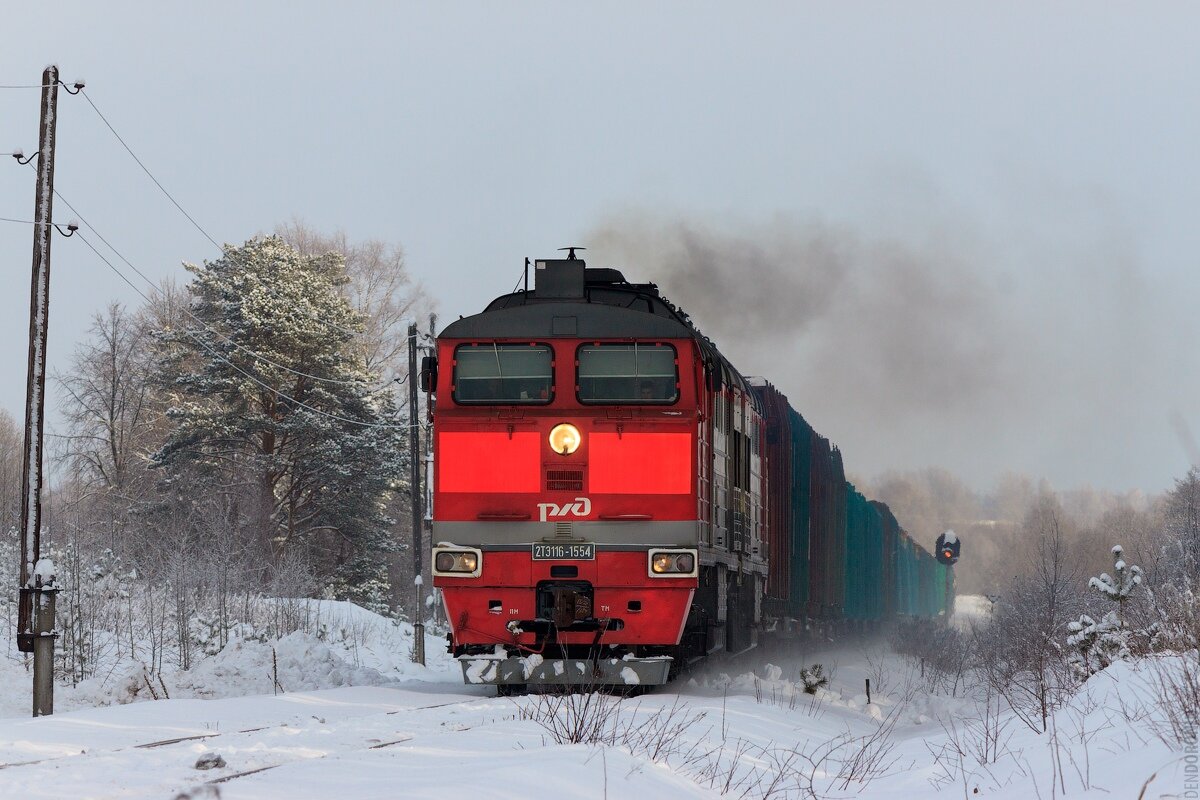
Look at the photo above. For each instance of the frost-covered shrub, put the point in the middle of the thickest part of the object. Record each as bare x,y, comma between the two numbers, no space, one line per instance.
1178,626
209,635
94,611
10,557
943,652
372,593
1095,645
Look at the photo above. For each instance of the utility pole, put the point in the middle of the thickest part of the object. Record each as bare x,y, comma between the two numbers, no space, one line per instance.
414,455
430,405
35,624
429,411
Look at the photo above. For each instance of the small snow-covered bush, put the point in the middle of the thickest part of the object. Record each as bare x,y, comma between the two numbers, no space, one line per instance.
814,678
942,652
1175,680
1096,644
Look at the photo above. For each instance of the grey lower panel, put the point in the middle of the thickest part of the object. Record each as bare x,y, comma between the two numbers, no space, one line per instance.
494,671
678,533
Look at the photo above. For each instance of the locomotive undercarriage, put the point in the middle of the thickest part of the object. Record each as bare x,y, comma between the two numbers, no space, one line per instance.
565,607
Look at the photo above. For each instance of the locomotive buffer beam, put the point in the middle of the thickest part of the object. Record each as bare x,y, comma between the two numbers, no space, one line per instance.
499,670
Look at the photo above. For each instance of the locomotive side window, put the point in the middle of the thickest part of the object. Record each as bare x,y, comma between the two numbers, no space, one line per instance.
500,374
627,373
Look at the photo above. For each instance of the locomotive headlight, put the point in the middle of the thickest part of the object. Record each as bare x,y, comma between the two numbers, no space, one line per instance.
565,438
672,563
457,562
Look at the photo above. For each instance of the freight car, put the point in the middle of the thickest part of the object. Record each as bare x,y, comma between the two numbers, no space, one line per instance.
613,499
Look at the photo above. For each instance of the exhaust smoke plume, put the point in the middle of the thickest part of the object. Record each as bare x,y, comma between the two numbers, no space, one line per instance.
934,348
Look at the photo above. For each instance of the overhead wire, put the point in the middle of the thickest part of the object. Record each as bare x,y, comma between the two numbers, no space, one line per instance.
154,287
146,170
227,362
196,319
176,203
193,317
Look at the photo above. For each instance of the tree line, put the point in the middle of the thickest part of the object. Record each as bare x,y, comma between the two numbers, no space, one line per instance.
239,435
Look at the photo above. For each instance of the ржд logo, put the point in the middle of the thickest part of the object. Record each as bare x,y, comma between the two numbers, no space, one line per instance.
580,508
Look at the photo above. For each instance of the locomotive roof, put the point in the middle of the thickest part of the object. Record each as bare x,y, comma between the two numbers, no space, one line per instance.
572,301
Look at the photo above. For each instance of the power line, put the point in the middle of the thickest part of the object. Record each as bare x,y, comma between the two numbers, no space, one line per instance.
177,205
197,320
146,170
238,369
140,163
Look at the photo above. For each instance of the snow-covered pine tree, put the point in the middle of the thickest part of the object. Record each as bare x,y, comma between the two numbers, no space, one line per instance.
270,401
1121,584
1094,645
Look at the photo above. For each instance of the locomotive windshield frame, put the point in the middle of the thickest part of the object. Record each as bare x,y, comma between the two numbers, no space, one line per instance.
626,381
490,386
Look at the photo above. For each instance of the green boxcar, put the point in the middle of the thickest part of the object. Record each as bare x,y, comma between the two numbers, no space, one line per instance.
865,555
889,533
907,577
834,554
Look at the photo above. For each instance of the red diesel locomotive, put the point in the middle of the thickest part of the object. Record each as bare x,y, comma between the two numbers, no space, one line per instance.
597,486
608,491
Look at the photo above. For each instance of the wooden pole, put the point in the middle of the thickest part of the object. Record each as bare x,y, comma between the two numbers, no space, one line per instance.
35,628
414,453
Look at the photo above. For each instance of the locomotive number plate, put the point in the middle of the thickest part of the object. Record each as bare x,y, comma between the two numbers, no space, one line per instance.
581,551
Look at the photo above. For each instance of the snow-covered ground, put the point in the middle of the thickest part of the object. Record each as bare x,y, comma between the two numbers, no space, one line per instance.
970,609
361,721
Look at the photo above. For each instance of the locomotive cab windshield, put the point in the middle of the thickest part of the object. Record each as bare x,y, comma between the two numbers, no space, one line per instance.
628,373
503,373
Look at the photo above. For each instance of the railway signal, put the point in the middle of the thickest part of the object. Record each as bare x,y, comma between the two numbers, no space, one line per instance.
947,548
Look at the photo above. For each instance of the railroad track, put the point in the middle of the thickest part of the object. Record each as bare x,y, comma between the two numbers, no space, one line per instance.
230,735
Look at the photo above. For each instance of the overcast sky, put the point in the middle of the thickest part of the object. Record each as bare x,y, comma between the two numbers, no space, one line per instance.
974,224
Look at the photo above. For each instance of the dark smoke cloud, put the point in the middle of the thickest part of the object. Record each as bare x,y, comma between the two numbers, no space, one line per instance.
912,324
942,346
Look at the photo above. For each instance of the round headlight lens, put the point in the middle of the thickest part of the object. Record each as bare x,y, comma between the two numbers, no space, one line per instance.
685,563
444,562
662,563
565,438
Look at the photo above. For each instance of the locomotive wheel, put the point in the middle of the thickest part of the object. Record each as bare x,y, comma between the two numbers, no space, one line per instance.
512,689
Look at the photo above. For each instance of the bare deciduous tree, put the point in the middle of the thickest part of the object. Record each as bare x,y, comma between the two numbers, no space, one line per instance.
1020,655
11,441
109,416
106,401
